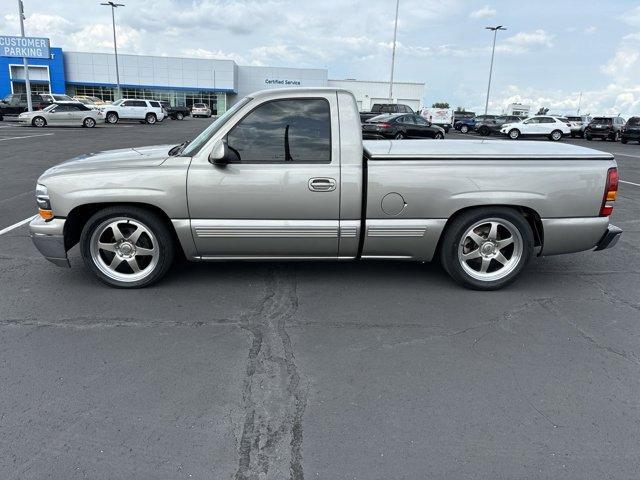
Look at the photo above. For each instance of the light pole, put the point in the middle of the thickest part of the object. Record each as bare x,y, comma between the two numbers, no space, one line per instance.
393,52
115,44
27,83
493,51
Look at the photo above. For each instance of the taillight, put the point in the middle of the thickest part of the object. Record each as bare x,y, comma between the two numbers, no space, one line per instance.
384,125
610,192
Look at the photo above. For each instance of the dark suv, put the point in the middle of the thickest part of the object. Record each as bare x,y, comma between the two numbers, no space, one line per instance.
16,103
631,131
492,124
606,128
380,108
176,112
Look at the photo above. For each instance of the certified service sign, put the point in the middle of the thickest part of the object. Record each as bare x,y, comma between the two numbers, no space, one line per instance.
30,47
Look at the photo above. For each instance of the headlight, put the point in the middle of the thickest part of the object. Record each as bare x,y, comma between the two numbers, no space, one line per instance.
43,201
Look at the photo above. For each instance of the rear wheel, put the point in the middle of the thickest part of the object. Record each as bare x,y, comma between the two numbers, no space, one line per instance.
399,136
179,116
150,118
439,136
89,122
488,248
588,137
555,135
112,118
464,129
514,134
39,122
484,131
127,247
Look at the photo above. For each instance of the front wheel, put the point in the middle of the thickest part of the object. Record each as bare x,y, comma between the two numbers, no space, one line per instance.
488,248
399,136
89,122
112,118
127,247
179,116
150,118
39,122
514,134
484,131
555,135
588,137
439,136
464,129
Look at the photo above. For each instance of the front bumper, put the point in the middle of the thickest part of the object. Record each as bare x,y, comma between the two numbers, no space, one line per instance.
610,238
48,237
630,135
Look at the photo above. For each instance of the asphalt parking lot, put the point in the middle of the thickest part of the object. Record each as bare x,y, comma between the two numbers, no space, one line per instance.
333,371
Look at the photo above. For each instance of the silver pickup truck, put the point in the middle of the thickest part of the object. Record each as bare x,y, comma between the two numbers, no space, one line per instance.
284,175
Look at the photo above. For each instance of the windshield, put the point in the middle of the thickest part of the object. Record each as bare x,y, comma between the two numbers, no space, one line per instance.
602,121
49,108
634,121
64,98
574,119
207,133
118,102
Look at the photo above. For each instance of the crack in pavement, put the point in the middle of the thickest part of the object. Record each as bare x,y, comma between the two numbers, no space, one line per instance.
274,398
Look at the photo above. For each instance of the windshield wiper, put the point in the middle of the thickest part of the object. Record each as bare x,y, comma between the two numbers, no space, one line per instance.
177,150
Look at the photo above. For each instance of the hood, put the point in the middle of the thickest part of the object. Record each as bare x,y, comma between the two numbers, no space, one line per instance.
114,159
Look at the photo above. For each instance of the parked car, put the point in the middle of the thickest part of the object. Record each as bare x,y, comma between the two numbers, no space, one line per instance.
145,111
201,110
55,97
578,124
89,101
175,112
63,113
399,126
604,128
493,124
554,128
631,131
442,117
380,108
284,175
465,125
15,103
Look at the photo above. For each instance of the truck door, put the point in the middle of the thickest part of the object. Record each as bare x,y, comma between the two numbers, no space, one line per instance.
280,196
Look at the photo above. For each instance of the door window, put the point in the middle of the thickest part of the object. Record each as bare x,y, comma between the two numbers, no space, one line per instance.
295,130
421,121
531,121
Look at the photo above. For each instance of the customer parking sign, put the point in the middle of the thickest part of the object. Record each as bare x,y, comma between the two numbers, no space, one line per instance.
30,47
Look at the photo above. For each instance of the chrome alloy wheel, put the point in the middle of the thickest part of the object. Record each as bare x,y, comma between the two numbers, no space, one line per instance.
491,249
124,249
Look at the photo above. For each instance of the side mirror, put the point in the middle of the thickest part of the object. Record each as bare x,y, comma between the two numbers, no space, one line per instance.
220,154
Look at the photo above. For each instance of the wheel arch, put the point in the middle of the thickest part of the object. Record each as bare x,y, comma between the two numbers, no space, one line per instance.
530,215
78,217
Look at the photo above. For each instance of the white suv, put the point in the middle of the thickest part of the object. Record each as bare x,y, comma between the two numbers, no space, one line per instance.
553,128
149,111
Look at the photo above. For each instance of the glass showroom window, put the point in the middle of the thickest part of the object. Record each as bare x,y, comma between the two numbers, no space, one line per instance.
104,93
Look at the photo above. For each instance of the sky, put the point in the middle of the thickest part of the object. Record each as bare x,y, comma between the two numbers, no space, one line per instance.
552,51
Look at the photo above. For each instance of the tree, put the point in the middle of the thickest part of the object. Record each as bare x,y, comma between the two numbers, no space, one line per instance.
542,111
440,105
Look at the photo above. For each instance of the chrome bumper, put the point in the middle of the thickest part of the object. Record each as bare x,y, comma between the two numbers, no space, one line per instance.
610,238
48,237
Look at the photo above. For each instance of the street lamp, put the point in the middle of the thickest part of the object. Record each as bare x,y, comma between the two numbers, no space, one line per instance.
27,83
393,52
493,51
115,44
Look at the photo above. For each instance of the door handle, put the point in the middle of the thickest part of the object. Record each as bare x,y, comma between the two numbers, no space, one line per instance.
322,184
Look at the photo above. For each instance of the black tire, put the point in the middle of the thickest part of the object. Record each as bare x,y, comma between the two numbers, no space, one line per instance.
439,136
179,116
514,134
588,137
555,136
624,141
484,131
112,118
151,119
399,136
39,122
163,237
446,130
89,122
464,129
456,229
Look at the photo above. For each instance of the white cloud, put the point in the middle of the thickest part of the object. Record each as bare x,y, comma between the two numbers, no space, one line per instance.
483,12
537,37
591,29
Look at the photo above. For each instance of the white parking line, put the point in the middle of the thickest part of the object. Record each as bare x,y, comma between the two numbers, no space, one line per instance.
26,136
16,225
630,183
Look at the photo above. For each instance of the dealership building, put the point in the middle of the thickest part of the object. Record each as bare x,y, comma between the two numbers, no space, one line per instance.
181,81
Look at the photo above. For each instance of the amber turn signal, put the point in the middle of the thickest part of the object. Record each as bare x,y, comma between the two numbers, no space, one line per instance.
46,214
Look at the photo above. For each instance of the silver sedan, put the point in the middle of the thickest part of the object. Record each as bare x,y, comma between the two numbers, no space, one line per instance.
63,113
